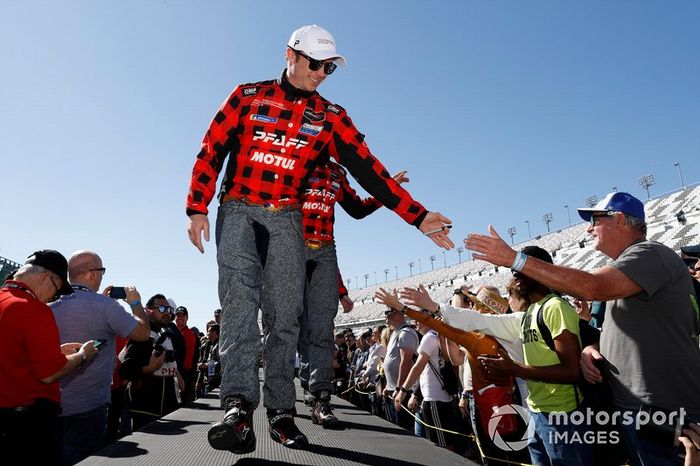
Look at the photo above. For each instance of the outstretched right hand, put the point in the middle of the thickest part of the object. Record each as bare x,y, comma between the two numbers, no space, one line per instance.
197,224
388,299
418,297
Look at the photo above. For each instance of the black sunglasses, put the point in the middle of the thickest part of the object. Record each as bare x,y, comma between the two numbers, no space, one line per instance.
101,269
315,65
595,217
163,309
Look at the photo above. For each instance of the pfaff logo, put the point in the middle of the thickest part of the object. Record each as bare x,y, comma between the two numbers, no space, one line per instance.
250,91
273,159
322,193
282,141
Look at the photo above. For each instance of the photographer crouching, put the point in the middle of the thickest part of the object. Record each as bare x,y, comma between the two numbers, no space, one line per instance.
151,368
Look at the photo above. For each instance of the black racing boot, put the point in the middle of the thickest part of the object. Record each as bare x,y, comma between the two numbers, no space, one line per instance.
321,413
283,430
235,432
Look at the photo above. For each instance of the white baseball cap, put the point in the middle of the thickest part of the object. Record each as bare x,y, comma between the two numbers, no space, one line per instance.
315,42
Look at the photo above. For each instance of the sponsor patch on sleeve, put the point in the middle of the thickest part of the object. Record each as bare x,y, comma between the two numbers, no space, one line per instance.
250,91
333,108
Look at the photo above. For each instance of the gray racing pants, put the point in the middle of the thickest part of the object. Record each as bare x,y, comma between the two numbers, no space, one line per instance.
316,342
261,267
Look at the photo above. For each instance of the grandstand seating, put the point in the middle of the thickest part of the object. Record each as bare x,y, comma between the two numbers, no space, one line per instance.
6,267
570,247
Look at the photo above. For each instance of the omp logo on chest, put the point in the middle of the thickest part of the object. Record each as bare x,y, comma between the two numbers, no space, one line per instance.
281,141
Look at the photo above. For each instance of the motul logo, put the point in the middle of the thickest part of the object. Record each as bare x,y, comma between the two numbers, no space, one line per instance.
272,159
318,206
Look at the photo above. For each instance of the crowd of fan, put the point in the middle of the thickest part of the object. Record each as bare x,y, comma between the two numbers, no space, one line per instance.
83,372
458,392
447,377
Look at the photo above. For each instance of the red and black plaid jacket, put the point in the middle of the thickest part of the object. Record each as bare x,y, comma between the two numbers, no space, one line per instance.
327,185
276,135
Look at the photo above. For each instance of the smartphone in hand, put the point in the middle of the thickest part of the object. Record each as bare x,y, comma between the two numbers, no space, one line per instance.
117,292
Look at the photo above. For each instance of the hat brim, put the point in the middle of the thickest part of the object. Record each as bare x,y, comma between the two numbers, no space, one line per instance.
691,251
324,55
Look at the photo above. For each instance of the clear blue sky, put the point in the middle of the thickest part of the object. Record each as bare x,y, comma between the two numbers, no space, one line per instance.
500,112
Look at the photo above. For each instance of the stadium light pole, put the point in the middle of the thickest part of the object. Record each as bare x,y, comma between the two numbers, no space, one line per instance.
527,222
568,213
591,201
432,262
547,219
366,277
396,271
444,259
645,182
348,280
375,277
386,275
460,250
512,231
410,268
680,174
420,266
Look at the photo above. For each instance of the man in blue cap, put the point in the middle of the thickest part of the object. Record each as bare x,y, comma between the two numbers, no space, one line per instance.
648,349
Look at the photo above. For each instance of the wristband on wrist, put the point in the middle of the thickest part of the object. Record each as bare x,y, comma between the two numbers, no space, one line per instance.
405,390
519,261
434,313
134,303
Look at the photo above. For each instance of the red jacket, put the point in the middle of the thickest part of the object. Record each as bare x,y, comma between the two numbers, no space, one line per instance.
274,135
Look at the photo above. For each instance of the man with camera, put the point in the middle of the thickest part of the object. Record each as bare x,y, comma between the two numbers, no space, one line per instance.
151,368
648,349
87,315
